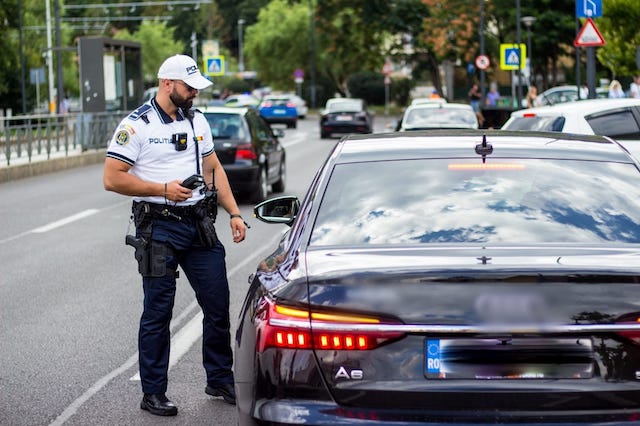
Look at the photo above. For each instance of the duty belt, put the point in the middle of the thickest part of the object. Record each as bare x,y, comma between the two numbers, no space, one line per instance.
166,211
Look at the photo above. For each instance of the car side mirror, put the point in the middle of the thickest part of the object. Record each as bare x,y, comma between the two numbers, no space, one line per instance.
278,210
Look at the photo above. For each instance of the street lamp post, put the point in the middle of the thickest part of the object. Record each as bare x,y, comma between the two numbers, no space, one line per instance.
312,54
481,30
519,70
528,21
240,53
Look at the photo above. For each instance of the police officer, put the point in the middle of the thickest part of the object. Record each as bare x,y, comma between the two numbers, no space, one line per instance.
153,150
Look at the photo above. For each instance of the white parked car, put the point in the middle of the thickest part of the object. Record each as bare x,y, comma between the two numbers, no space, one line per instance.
617,118
566,93
432,115
418,101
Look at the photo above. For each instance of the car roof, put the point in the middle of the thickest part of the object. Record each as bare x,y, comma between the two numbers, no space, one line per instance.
440,105
224,110
420,101
462,144
583,107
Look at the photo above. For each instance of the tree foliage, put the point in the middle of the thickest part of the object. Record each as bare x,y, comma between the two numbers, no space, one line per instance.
619,28
278,43
156,43
351,37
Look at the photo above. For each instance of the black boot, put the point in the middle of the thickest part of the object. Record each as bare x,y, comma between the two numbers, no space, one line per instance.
158,404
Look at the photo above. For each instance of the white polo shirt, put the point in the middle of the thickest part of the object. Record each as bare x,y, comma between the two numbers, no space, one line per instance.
144,140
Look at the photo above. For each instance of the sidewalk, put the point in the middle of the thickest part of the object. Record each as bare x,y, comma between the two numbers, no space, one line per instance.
42,163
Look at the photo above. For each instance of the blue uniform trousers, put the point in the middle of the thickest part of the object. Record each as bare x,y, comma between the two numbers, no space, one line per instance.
205,269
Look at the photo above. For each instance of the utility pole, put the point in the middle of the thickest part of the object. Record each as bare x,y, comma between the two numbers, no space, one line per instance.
240,53
312,54
49,57
60,80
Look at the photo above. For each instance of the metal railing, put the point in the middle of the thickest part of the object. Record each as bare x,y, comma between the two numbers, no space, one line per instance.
28,138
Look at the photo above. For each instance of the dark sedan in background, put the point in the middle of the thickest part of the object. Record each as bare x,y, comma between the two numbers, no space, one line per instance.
345,115
450,277
249,151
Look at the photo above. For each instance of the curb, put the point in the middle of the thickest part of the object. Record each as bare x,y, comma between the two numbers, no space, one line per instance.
52,165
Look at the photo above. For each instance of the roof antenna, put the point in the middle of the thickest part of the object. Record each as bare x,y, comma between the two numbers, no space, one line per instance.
484,148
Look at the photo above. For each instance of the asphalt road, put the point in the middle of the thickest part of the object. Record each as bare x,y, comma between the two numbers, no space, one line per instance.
70,299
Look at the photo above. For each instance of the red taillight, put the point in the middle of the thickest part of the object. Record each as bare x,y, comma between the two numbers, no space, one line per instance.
267,104
633,318
291,105
293,328
245,151
529,115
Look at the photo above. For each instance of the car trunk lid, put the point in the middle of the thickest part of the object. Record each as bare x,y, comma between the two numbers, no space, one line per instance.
505,328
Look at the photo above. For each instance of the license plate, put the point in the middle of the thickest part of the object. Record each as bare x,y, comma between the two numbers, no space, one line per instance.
344,118
521,358
279,111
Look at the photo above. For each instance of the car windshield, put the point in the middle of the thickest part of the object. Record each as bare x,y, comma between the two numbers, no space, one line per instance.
225,126
440,117
464,201
345,106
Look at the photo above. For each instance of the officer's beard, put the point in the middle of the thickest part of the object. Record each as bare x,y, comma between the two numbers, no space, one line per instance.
180,101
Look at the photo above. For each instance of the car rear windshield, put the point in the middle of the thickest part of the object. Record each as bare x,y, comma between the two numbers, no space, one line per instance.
440,117
465,201
346,106
537,122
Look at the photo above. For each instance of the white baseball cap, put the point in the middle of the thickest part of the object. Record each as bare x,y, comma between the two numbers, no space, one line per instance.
183,67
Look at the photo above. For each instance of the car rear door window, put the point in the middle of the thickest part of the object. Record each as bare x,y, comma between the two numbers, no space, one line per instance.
537,123
618,124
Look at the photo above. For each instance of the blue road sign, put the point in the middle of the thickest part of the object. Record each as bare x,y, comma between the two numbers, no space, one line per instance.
512,57
214,65
588,8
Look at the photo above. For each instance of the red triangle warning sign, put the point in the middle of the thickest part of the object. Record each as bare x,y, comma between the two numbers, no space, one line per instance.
589,36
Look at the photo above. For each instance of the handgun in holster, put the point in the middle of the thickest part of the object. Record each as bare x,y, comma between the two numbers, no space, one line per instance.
151,255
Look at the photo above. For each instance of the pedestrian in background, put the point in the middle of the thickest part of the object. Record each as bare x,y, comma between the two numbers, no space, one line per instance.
151,153
615,90
493,96
532,97
475,96
634,88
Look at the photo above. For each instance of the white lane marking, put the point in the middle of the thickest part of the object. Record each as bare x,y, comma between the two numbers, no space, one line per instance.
62,222
65,221
103,381
295,139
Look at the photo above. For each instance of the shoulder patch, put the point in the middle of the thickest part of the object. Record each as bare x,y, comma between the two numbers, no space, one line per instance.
122,137
140,112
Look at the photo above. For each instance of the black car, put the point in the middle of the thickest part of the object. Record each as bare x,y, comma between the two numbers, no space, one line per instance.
345,115
450,277
249,151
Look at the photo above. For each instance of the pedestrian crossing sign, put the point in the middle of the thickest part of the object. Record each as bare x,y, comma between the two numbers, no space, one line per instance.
214,65
512,57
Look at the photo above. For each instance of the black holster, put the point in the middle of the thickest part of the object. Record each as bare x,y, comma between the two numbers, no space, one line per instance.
151,255
206,211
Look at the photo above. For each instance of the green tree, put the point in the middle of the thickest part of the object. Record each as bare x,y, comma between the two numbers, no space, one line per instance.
351,37
619,29
278,43
157,43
